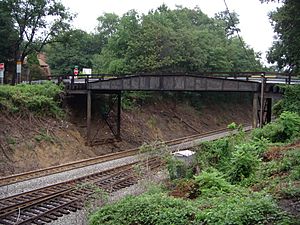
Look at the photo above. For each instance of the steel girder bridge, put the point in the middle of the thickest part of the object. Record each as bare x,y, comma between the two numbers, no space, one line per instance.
263,86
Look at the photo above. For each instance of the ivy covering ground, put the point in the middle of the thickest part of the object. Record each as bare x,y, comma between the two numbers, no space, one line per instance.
242,180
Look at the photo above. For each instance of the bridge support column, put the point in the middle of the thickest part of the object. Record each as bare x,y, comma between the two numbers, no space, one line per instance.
89,116
268,110
261,110
255,110
119,117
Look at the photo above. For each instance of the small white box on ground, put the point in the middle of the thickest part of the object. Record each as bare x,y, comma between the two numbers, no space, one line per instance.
186,156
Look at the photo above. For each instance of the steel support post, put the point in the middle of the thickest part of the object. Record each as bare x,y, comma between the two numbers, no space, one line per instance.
255,110
89,116
262,92
119,116
269,110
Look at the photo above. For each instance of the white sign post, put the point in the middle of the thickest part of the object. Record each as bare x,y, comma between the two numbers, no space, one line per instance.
1,73
19,70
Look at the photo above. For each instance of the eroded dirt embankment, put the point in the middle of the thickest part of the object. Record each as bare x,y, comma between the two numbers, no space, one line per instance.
30,143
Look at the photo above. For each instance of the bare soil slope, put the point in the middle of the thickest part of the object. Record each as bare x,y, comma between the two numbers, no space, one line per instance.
32,143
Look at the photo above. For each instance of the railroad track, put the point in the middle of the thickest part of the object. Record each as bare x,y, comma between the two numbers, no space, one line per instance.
99,159
46,204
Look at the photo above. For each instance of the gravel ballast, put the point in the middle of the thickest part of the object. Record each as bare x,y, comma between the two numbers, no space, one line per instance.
81,216
28,185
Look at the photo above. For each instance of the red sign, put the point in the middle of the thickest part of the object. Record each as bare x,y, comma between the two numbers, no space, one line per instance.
1,66
75,71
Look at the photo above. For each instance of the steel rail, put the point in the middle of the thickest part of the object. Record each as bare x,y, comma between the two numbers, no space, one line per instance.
42,193
53,205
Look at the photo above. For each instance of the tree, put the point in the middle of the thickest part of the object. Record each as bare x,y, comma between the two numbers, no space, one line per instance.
230,20
107,26
285,49
8,35
36,22
180,40
74,47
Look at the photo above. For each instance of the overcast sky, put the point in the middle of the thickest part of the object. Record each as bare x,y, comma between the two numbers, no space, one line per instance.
254,22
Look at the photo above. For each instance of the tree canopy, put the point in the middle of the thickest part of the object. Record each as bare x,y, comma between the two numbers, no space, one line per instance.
184,40
36,21
8,35
30,24
286,24
70,48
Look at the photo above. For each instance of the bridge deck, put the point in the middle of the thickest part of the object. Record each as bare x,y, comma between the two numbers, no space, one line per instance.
166,83
184,82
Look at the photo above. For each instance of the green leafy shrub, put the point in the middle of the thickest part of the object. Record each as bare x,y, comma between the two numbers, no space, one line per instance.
212,180
260,145
285,128
231,208
41,99
243,163
283,167
291,99
232,126
214,152
218,153
291,190
295,173
291,160
243,208
147,209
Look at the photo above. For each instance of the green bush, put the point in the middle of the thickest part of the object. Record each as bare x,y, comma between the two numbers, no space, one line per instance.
214,152
239,207
147,209
291,160
243,163
291,99
285,128
41,99
219,153
260,145
243,208
212,180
